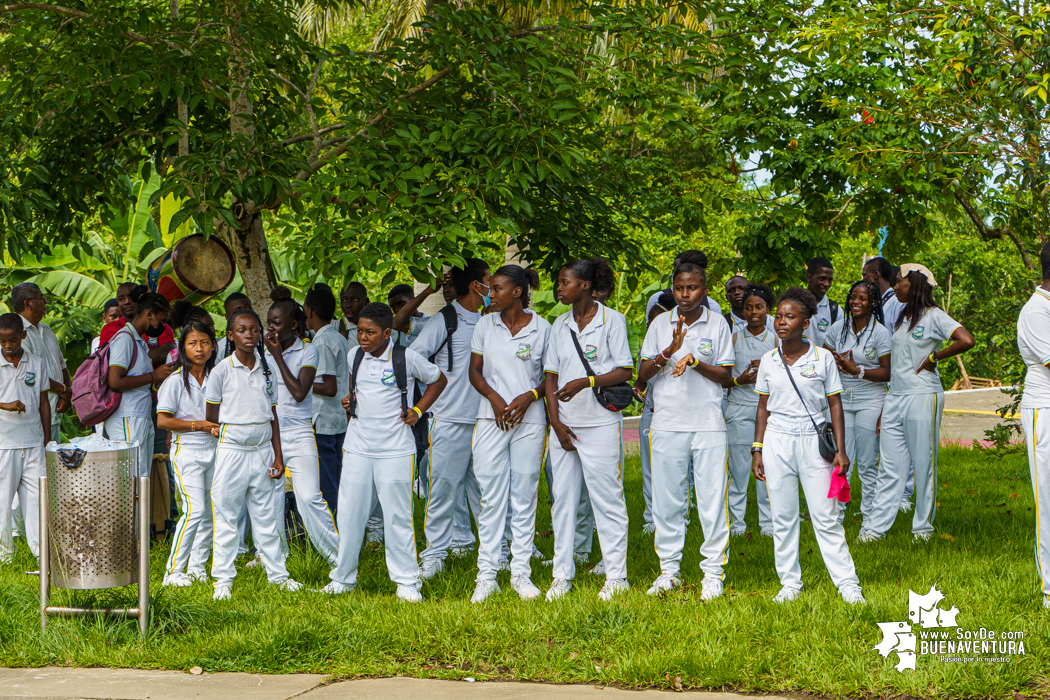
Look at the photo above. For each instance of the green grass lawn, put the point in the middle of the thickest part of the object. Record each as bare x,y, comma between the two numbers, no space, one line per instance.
742,641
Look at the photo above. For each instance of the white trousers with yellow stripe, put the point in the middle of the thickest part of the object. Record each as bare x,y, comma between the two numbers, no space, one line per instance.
193,465
20,472
299,449
137,430
671,453
390,478
1036,422
507,465
449,466
908,444
595,464
791,460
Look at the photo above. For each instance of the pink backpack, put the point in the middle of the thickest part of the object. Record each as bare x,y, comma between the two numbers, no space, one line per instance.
93,400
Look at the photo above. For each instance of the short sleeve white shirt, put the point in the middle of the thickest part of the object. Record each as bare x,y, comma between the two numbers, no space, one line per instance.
911,346
23,383
351,332
891,308
328,414
872,344
459,401
691,402
173,398
605,345
415,327
137,403
513,363
41,341
821,321
378,430
1033,340
245,396
298,355
748,347
816,376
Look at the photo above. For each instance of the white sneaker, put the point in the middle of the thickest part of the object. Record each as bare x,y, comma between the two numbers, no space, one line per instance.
483,590
409,594
663,582
290,585
539,556
905,506
867,536
766,532
461,551
420,491
649,528
710,589
524,587
431,568
582,558
222,591
599,568
922,537
786,595
374,536
336,588
613,587
558,589
737,533
177,580
504,562
254,563
195,576
1046,602
852,595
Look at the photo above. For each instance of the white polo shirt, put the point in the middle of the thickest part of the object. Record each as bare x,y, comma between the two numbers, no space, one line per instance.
173,398
910,348
41,341
891,308
655,297
137,403
605,345
748,347
351,332
328,415
513,364
24,383
378,430
415,327
821,321
1033,340
872,344
298,355
245,396
459,401
816,376
689,403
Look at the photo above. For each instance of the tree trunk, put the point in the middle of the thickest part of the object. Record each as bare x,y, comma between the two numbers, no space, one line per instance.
248,243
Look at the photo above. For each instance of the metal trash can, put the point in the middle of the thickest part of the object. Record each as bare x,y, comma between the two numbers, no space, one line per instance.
94,525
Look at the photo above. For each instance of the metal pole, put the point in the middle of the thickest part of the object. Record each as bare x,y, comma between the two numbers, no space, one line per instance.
144,519
45,553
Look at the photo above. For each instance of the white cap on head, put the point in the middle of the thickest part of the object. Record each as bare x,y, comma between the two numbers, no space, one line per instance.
921,269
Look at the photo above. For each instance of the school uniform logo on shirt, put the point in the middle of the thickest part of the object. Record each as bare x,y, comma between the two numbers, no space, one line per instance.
388,378
591,353
870,353
808,371
524,352
918,332
823,324
706,346
30,379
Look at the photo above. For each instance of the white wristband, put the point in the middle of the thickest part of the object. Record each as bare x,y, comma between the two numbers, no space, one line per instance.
860,374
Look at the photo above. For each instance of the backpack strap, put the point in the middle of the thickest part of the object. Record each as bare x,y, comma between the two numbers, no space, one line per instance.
451,324
353,381
834,310
397,358
728,316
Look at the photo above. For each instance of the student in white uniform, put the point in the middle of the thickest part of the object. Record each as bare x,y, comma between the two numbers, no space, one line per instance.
587,447
696,257
793,381
687,355
860,345
508,352
241,397
455,412
182,410
25,425
28,301
1033,340
236,301
750,343
131,373
295,368
331,384
910,434
379,453
352,300
819,277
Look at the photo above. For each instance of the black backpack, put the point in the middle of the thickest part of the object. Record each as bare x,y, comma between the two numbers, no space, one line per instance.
834,310
451,324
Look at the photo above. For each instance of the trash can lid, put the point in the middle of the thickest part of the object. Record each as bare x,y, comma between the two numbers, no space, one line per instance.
90,443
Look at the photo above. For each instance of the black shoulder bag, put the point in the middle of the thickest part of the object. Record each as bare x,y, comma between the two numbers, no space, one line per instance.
825,433
612,398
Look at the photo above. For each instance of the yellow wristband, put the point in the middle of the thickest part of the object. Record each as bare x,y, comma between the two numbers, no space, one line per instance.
735,382
756,444
418,412
536,394
592,380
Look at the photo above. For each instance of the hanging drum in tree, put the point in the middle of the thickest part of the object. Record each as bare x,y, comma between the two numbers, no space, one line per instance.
195,269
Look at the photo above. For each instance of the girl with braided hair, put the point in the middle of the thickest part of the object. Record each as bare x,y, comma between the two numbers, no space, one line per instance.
860,344
295,363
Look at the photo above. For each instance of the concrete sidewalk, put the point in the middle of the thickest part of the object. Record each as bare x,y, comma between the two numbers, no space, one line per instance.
132,684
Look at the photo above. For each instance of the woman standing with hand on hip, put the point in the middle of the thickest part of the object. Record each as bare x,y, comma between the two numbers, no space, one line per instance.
911,417
793,381
860,344
508,351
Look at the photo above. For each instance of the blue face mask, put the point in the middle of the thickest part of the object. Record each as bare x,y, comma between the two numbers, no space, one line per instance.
485,300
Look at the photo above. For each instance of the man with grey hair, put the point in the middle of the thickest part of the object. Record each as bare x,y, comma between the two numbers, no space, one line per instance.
28,302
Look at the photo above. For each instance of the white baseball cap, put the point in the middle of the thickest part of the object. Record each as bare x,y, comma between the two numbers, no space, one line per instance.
921,269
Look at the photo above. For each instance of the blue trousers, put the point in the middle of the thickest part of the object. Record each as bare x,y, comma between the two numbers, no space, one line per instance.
330,457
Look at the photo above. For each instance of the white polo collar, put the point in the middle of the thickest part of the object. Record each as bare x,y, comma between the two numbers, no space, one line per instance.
498,320
234,362
596,322
386,354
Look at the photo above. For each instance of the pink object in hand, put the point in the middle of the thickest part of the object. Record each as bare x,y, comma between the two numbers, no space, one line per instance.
839,486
